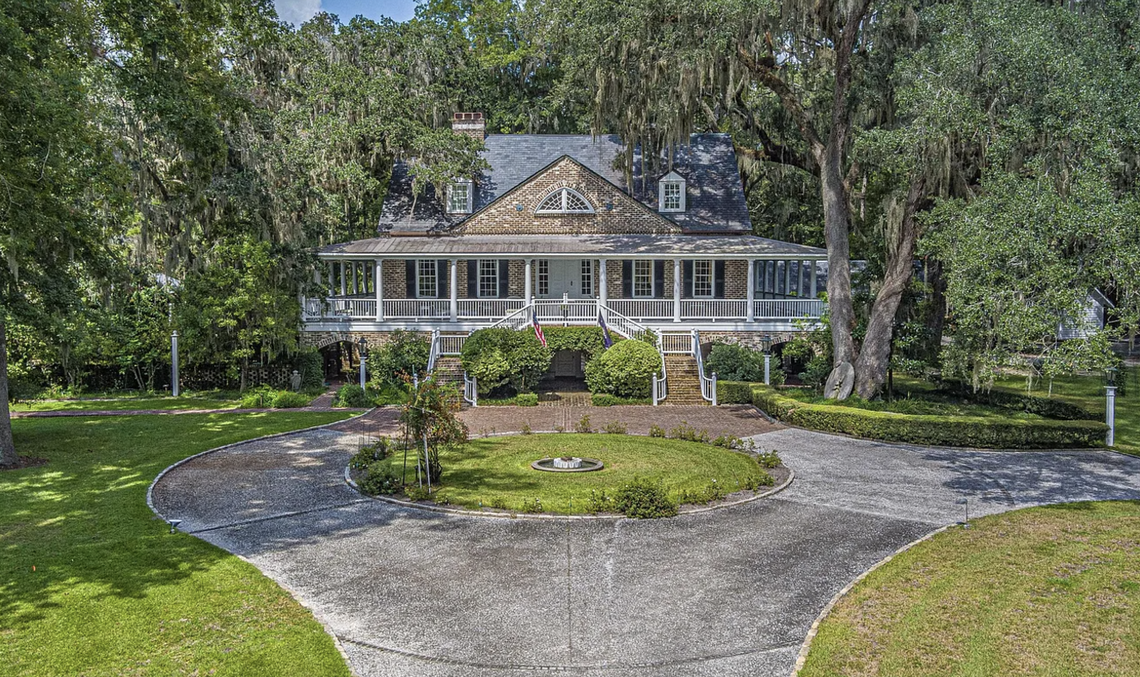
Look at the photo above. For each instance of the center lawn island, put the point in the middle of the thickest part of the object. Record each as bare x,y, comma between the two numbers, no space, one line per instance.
555,231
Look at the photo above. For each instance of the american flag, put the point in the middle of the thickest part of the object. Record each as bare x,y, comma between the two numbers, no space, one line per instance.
606,339
537,328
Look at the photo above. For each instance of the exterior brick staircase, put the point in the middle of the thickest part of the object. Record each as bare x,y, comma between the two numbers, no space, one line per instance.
448,370
684,382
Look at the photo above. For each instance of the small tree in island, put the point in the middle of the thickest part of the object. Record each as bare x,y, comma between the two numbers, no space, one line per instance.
430,415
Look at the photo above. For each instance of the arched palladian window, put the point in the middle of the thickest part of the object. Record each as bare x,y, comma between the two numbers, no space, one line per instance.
564,201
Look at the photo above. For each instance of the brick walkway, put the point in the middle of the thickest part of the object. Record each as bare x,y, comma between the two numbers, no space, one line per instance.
736,420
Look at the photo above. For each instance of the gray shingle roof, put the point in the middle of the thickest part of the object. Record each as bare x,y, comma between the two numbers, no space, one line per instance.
552,246
715,197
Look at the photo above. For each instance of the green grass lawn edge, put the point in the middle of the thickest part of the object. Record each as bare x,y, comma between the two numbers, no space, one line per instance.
92,583
1050,590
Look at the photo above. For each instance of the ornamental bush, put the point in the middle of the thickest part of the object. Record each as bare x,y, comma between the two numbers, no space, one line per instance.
501,358
351,395
526,399
949,431
404,353
625,370
643,499
735,363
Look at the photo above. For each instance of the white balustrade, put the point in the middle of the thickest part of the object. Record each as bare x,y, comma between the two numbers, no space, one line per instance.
488,309
574,311
788,309
676,343
643,309
451,344
417,309
713,309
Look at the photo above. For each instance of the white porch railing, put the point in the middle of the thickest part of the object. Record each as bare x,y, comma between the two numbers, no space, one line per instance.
417,309
488,309
516,314
676,343
452,344
643,309
788,309
433,354
713,309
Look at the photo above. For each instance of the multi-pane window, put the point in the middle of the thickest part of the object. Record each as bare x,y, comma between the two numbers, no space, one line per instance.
587,277
671,196
488,278
702,279
543,277
459,198
564,201
643,279
427,283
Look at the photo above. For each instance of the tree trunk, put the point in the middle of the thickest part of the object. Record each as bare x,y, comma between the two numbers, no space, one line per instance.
836,231
937,281
8,456
875,356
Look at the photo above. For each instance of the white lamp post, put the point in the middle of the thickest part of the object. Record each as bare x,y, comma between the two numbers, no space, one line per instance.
1110,405
363,358
174,363
767,343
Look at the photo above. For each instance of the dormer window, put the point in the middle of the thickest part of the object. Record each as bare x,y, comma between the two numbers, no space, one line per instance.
459,197
671,193
564,201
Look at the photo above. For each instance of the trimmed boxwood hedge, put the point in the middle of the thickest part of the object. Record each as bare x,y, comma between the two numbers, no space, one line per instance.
947,431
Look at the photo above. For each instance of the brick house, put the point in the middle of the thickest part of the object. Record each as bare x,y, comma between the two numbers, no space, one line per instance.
555,230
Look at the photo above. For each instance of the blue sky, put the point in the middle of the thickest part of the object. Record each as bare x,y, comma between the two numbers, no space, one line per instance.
297,11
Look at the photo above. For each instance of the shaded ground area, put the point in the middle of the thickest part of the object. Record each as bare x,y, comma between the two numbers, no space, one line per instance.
731,592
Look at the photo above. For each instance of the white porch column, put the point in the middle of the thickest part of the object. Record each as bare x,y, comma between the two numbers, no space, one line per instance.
603,286
676,290
332,280
453,287
751,290
528,289
814,268
378,284
355,283
343,282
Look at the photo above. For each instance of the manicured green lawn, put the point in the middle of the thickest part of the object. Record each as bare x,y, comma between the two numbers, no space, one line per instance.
1052,591
127,403
496,470
914,397
1088,392
92,584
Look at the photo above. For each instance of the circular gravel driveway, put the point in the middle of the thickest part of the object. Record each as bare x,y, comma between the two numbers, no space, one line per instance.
728,592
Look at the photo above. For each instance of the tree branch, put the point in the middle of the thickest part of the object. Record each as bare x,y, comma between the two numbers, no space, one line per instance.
768,77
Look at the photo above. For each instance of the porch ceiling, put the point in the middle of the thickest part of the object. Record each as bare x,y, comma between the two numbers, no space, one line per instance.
572,246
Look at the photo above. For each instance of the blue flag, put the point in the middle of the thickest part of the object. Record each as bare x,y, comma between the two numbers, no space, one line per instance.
605,331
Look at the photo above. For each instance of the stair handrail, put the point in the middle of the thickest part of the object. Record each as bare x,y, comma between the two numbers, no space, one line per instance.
626,326
660,385
433,354
708,383
515,320
470,390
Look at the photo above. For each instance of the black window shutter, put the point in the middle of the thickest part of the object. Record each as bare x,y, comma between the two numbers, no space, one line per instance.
504,278
443,274
627,279
718,280
687,286
410,278
659,279
472,279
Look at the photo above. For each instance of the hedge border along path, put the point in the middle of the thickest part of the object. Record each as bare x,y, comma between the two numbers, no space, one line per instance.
928,430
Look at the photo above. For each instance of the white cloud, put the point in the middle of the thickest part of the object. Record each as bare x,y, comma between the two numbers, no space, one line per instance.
297,11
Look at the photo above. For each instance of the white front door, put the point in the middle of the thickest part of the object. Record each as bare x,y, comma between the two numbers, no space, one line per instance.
572,278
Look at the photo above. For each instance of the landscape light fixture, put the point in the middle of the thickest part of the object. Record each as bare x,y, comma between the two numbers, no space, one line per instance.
766,342
1110,405
174,525
363,342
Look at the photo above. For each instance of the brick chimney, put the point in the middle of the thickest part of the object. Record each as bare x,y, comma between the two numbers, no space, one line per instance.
469,124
